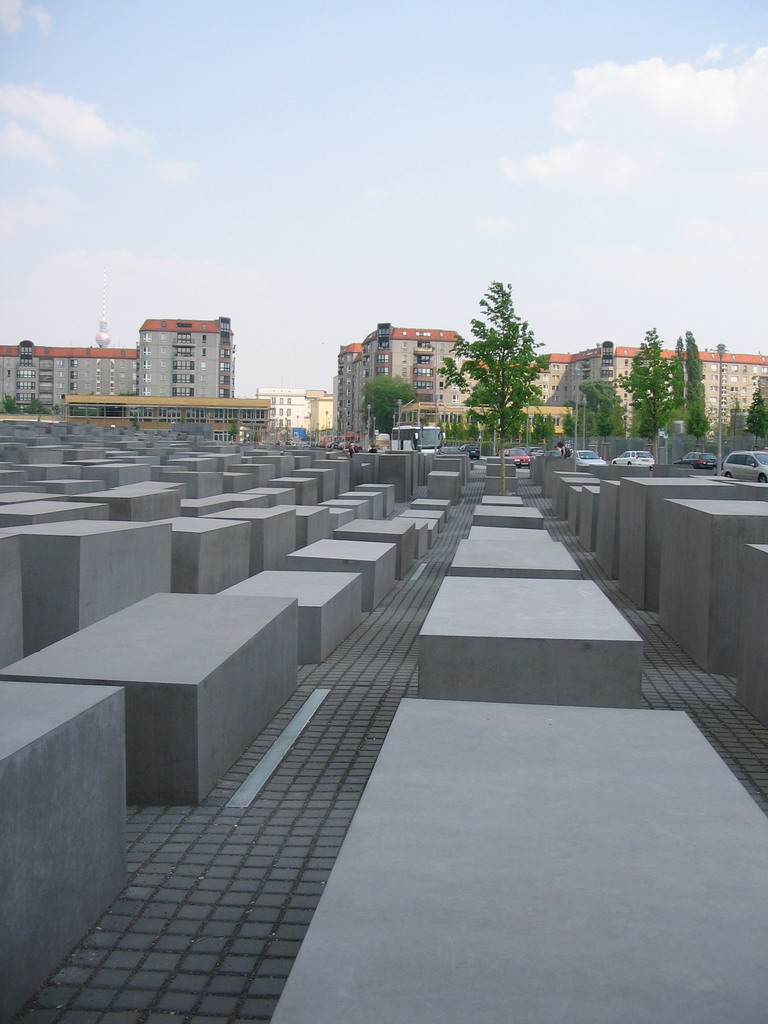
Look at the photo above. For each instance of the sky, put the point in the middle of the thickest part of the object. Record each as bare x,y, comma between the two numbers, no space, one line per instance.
311,168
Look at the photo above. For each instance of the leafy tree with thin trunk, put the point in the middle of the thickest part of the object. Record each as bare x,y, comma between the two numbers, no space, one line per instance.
10,405
499,368
655,385
696,421
757,416
543,428
382,393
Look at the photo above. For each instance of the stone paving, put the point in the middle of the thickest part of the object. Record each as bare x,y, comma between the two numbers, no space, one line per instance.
219,898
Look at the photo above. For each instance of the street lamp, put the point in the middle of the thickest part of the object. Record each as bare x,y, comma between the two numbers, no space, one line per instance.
368,427
720,354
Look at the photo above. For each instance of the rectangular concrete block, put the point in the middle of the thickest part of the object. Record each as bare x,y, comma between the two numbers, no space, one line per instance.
313,523
273,534
138,503
509,536
330,606
304,487
704,557
509,640
203,675
505,501
388,490
11,612
117,474
608,528
523,561
752,678
62,808
207,556
565,841
75,573
400,532
30,513
439,504
524,518
444,485
325,478
588,517
375,562
642,512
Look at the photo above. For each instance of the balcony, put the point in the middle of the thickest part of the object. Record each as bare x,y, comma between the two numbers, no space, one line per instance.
423,349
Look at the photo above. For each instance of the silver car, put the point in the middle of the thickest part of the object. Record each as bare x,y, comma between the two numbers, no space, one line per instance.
746,466
634,458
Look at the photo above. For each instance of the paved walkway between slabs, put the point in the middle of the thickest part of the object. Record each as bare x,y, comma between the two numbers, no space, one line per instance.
220,897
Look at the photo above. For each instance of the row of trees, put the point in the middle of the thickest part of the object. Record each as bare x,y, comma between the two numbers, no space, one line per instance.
499,368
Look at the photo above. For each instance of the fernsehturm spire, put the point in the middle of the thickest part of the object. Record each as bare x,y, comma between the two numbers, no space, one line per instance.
102,338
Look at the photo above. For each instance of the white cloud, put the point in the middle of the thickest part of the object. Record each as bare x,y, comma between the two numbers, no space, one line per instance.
47,206
648,122
583,162
177,171
59,117
16,141
12,13
498,226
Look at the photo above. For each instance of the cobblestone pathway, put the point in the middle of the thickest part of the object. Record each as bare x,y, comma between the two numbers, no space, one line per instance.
219,898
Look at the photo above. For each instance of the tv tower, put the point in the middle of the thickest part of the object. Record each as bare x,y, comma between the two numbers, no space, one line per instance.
102,338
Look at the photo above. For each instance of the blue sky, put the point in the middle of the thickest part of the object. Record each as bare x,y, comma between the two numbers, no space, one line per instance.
312,168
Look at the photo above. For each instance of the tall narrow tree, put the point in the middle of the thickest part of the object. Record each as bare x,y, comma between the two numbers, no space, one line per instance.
696,421
655,386
499,368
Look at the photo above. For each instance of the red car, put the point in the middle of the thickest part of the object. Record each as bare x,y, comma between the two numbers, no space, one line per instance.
519,456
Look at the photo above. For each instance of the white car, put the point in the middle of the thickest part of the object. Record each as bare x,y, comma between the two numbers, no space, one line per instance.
640,458
586,459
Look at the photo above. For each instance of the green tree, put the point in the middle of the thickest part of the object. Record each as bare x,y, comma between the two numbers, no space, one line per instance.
604,413
10,405
35,407
757,416
696,421
543,428
499,368
568,422
655,386
382,394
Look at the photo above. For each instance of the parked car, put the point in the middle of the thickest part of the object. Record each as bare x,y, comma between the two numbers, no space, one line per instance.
519,456
450,449
634,458
472,450
746,466
585,459
535,452
697,460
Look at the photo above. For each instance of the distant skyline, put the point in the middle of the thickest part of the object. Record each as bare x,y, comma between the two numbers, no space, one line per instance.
311,170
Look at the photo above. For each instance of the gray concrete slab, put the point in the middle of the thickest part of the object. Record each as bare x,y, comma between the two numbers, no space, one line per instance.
326,480
444,485
503,500
562,840
203,675
388,490
441,504
116,474
273,534
208,555
525,518
400,532
609,527
588,517
75,573
11,612
50,511
509,536
305,488
430,515
521,561
752,677
360,507
330,606
704,555
137,503
62,796
375,562
642,511
528,641
313,523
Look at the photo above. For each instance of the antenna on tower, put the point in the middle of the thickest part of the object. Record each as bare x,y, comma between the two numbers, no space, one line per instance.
102,338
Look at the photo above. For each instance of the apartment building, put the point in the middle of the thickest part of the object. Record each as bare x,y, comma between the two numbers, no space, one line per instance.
741,375
417,354
186,359
48,373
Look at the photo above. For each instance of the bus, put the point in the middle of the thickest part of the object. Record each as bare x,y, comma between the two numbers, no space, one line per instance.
409,437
